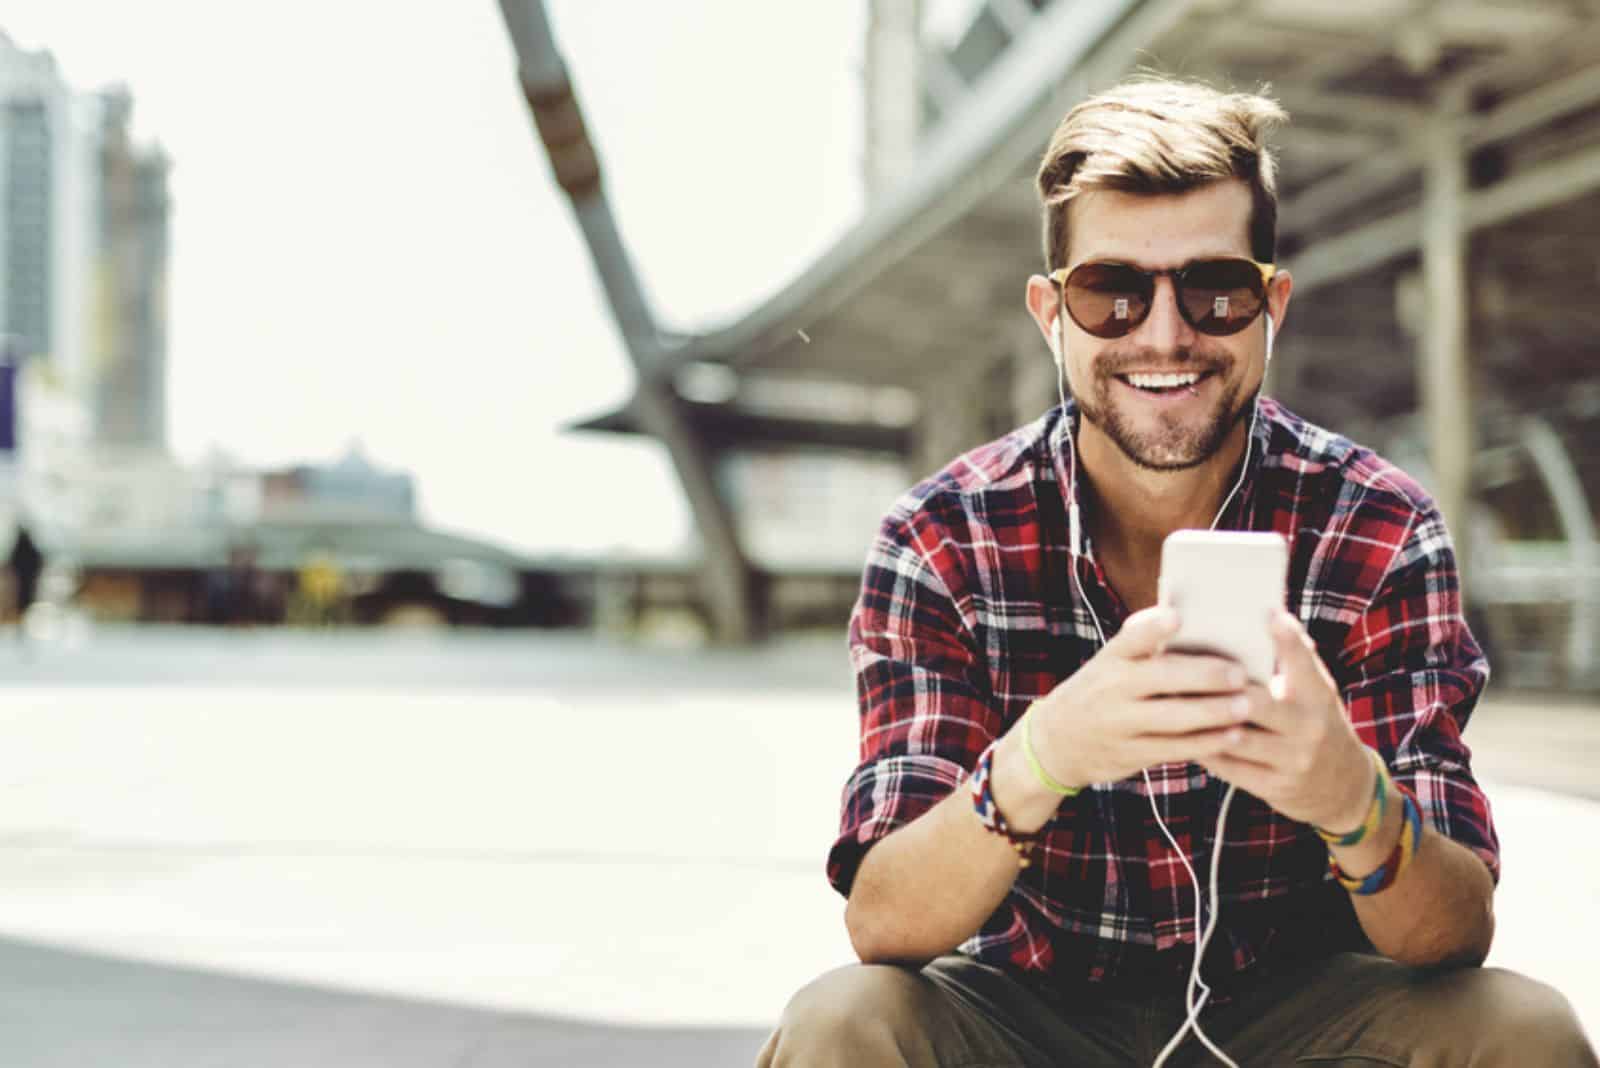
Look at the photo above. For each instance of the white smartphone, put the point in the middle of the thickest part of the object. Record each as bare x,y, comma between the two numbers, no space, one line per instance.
1224,585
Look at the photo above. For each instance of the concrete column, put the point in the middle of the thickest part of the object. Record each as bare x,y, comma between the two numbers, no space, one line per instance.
1444,374
892,92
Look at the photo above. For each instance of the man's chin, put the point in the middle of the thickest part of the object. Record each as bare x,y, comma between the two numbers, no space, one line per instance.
1170,449
1149,459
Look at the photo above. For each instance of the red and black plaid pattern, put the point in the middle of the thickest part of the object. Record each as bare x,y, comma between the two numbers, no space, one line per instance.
968,613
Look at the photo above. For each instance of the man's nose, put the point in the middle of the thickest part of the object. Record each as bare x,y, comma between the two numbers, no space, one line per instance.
1165,329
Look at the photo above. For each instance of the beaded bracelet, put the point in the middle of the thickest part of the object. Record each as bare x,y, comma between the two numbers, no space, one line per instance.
989,812
1404,850
1376,810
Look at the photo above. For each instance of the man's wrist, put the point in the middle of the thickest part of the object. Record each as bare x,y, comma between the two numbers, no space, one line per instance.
1028,805
1360,796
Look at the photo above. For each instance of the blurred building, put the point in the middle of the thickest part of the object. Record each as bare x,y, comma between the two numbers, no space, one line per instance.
130,391
83,248
814,510
351,488
223,542
49,167
1438,185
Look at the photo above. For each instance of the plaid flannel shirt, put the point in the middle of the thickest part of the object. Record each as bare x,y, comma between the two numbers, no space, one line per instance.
967,614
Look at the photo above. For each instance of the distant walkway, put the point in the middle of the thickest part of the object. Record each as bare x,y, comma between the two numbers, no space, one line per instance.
1551,741
410,660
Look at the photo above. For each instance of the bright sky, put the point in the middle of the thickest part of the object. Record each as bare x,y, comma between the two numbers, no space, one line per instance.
367,241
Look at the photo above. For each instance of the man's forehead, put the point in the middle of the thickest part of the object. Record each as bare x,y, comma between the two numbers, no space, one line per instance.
1160,230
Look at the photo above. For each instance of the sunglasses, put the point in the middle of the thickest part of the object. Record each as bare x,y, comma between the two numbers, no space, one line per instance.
1217,297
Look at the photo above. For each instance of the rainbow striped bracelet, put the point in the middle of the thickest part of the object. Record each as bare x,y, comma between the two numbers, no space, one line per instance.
1404,850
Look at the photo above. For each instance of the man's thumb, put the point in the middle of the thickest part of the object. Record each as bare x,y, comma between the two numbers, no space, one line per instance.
1144,632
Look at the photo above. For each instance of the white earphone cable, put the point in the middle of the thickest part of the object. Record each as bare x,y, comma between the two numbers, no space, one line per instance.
1203,932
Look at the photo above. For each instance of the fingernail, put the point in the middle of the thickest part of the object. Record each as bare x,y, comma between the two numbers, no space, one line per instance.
1241,707
1235,736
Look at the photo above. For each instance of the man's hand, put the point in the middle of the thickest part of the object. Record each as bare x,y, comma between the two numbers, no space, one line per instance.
1300,754
1302,757
1121,712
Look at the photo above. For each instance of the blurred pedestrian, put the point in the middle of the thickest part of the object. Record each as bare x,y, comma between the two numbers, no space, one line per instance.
27,563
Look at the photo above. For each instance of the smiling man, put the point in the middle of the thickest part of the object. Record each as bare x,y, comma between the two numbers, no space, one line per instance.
1040,781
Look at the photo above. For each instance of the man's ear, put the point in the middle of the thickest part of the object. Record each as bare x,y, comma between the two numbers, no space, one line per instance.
1278,292
1044,307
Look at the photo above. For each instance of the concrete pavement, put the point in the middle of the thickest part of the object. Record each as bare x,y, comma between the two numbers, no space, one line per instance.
63,1009
349,849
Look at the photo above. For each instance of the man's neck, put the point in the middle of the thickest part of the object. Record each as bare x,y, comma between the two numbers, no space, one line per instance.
1134,509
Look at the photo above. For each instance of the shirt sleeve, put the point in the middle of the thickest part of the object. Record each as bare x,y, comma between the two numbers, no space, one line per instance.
1413,674
921,689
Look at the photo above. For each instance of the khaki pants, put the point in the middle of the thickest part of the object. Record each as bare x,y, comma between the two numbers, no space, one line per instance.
1351,1009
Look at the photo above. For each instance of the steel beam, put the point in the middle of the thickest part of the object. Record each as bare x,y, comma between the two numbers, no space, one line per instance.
1560,476
1362,181
1016,16
1528,62
1352,186
941,79
728,577
1541,187
1078,46
1401,233
1359,111
1444,375
1536,107
892,93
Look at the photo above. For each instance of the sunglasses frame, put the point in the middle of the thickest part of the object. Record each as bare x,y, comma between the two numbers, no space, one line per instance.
1061,275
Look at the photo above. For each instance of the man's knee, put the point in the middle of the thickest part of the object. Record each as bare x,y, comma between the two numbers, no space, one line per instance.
1533,1023
1510,1019
867,1014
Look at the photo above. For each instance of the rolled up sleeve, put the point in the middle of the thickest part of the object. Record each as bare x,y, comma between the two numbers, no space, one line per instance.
1413,674
921,689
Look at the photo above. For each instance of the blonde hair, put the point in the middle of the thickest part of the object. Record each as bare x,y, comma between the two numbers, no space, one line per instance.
1156,135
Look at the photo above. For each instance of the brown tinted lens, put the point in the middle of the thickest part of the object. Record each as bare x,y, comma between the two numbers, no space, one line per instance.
1107,299
1221,296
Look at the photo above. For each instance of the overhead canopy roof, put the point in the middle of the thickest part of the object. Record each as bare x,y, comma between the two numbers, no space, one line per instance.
933,273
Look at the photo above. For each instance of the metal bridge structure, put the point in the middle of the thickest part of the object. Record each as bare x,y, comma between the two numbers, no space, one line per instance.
1439,189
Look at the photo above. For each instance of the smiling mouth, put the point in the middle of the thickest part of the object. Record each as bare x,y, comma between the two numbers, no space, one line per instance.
1164,383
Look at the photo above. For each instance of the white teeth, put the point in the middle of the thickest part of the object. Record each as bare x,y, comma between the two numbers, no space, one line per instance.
1163,381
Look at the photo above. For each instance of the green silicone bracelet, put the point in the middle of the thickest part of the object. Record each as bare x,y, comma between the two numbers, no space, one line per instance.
1377,808
1044,777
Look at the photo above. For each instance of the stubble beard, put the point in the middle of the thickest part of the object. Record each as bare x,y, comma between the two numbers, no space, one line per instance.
1176,445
